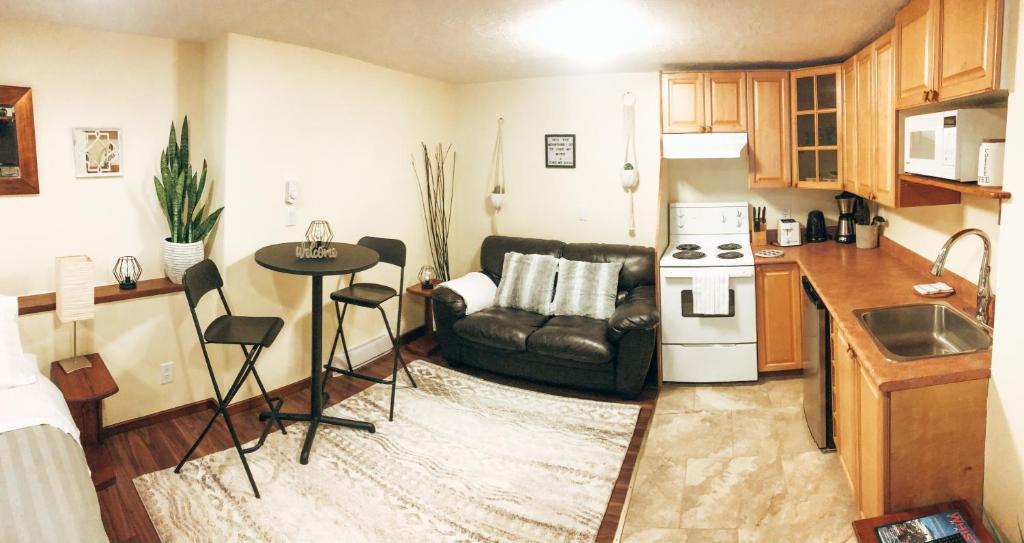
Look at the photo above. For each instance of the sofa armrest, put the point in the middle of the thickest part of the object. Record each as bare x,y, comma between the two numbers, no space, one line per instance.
637,312
449,306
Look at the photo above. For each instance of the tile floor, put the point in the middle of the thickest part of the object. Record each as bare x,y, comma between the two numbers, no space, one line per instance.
736,464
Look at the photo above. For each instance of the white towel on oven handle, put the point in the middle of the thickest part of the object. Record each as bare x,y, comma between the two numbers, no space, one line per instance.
711,293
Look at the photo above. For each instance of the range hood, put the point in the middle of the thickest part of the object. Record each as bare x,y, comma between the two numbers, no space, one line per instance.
715,145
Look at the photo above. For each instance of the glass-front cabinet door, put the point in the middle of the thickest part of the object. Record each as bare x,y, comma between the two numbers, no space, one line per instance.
817,99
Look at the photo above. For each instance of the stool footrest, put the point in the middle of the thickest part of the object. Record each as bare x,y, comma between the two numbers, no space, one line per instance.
271,420
358,375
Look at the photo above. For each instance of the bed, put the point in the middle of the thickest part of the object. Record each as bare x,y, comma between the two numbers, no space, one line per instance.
46,491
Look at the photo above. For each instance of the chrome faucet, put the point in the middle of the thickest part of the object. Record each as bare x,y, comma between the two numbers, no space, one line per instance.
984,290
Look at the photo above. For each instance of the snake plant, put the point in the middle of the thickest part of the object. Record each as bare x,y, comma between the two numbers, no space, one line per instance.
180,191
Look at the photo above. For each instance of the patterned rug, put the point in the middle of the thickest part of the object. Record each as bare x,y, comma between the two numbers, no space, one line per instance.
464,460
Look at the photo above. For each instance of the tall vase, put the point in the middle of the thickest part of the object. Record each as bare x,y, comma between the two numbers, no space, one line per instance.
179,257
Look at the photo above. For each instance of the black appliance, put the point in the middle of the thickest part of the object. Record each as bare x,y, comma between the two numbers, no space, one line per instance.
817,374
845,232
816,232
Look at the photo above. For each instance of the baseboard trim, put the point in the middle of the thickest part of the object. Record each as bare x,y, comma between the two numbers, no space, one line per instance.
361,354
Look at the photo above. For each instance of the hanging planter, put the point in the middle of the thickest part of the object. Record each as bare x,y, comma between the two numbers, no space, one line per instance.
629,176
497,198
497,195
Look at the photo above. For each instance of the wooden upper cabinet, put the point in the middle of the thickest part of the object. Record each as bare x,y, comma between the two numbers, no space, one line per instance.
816,109
779,317
850,157
768,129
915,35
947,49
725,103
883,182
865,123
969,47
682,98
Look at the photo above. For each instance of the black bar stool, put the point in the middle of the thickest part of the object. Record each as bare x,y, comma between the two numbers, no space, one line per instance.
252,334
373,296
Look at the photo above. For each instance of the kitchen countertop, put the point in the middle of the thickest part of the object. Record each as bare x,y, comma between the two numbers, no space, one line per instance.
848,278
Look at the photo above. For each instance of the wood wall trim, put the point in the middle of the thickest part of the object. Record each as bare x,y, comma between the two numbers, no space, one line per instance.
209,404
28,183
40,303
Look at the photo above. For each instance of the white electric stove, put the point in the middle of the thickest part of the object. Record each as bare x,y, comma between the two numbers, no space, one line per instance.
708,238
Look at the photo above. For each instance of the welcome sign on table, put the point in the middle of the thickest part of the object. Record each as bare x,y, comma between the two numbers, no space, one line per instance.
560,150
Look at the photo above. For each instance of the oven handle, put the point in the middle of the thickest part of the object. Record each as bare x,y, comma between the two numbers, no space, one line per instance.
689,273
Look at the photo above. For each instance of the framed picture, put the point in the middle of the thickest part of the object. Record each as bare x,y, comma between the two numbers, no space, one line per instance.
98,152
560,150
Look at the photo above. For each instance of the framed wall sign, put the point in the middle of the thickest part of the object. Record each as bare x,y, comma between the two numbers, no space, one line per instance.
98,152
560,150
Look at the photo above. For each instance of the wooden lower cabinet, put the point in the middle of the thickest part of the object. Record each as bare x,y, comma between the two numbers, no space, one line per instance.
779,317
907,448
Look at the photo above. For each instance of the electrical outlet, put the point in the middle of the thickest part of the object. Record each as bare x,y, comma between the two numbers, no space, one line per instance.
166,372
785,213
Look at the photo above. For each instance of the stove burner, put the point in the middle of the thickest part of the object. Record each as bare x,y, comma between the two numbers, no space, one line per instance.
730,246
688,255
688,247
730,255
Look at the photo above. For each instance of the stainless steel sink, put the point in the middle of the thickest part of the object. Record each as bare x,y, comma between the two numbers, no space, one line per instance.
911,332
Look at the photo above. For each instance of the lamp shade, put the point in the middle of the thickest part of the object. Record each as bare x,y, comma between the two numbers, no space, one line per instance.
76,297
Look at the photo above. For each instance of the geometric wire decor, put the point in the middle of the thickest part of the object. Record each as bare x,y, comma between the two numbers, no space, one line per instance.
317,245
127,271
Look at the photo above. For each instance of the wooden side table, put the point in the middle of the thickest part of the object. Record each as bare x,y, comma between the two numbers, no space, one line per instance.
427,343
84,391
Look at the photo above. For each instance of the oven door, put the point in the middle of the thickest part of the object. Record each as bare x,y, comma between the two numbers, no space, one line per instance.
679,324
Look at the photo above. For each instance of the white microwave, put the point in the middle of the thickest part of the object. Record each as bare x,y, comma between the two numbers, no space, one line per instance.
945,144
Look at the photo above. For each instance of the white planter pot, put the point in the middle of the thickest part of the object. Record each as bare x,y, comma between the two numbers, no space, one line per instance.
629,178
179,257
496,199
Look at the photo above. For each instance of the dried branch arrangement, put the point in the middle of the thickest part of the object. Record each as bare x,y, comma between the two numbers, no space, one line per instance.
437,190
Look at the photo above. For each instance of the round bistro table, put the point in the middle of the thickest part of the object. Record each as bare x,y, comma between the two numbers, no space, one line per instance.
351,259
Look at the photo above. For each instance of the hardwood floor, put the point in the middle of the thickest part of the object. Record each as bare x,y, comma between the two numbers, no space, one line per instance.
158,446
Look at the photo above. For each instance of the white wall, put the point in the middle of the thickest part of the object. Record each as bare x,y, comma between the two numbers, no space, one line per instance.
725,180
1004,445
83,78
585,204
345,130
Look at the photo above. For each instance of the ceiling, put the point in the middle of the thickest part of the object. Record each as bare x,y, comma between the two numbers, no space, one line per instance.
487,40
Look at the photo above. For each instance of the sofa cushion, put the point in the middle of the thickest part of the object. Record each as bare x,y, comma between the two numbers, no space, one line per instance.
527,283
637,262
581,339
586,289
499,327
493,249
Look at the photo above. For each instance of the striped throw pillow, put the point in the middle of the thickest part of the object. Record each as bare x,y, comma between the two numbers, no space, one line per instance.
586,289
527,282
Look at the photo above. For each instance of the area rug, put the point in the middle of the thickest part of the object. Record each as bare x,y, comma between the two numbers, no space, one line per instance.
464,460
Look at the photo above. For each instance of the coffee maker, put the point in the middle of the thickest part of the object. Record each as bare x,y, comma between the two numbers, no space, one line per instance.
845,232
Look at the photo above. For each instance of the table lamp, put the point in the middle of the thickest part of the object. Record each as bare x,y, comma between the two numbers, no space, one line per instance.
76,300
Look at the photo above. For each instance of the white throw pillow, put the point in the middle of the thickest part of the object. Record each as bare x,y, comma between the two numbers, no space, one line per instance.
527,282
586,289
14,369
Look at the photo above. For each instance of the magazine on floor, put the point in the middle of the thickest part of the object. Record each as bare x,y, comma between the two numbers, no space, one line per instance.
946,527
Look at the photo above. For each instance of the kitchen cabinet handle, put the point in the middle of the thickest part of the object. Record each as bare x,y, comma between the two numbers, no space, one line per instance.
927,94
935,95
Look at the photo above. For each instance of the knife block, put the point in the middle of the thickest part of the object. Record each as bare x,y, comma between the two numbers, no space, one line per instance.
758,239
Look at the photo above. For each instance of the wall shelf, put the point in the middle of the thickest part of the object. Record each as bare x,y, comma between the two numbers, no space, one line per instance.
40,303
971,189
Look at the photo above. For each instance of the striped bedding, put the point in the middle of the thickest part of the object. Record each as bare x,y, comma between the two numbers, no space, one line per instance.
46,492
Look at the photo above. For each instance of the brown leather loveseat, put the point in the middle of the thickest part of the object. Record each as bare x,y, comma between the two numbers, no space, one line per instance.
612,355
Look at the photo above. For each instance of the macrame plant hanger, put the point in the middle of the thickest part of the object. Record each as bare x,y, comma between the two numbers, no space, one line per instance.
498,186
630,174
